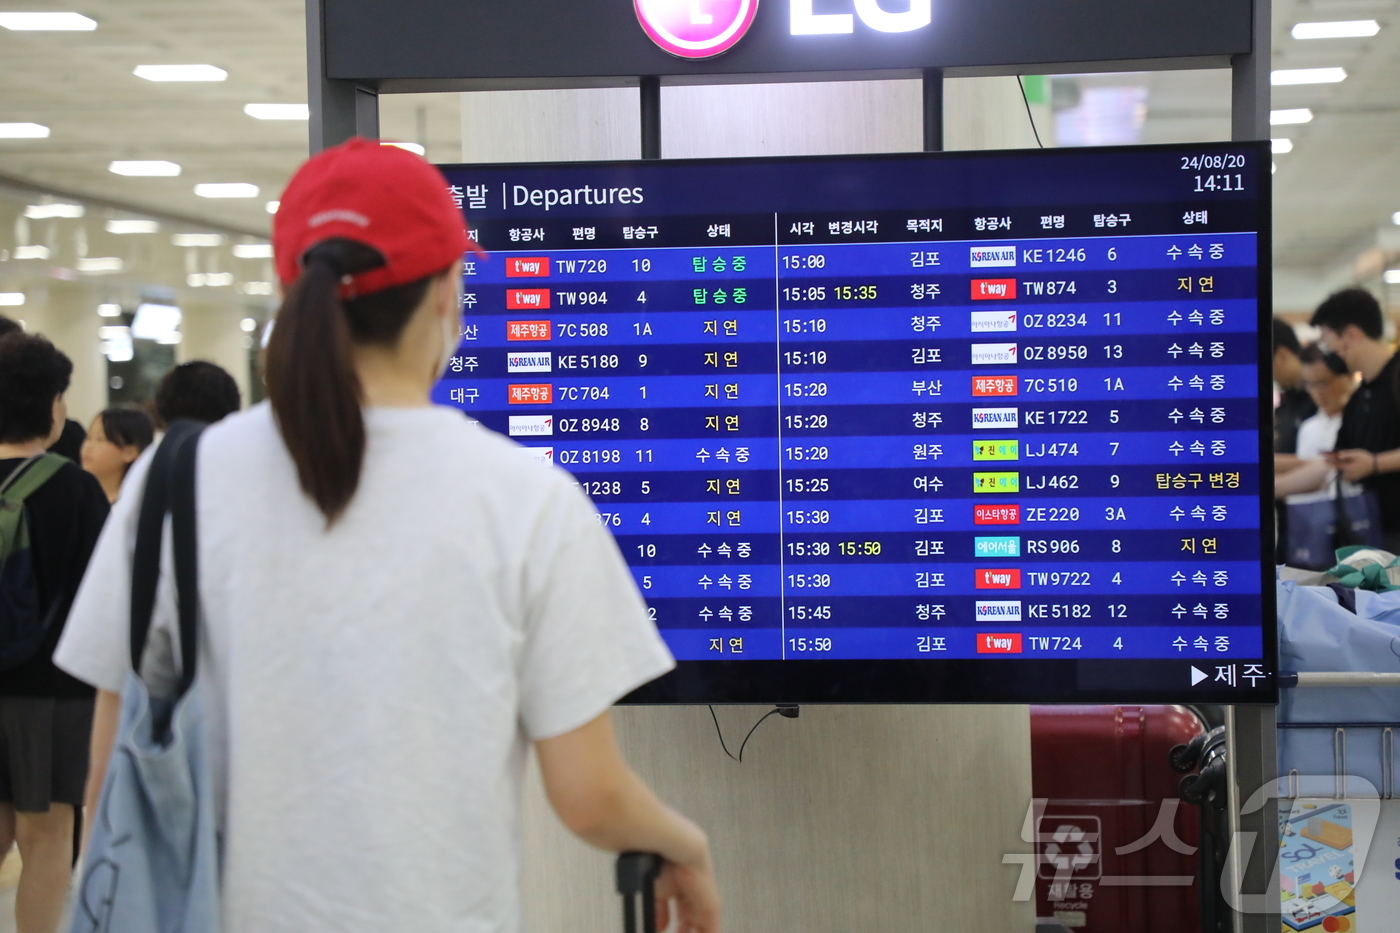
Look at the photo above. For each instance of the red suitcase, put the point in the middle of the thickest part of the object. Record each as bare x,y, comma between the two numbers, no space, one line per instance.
1115,846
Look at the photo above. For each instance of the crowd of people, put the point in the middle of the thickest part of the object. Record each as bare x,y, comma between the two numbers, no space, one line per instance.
1337,432
46,713
394,604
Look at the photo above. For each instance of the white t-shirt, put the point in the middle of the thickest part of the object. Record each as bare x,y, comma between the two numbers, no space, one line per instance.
371,689
1317,435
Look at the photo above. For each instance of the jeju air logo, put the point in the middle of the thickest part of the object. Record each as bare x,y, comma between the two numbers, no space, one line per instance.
696,28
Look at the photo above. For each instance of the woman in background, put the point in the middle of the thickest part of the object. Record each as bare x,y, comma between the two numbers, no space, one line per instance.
115,440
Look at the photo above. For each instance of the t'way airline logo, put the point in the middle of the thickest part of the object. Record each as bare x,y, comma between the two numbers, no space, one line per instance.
696,28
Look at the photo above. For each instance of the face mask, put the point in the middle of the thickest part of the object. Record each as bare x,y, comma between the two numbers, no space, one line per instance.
451,333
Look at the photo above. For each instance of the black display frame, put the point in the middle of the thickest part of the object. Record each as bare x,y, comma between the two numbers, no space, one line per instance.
1037,680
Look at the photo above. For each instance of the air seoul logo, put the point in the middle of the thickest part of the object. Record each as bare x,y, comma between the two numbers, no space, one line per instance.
696,28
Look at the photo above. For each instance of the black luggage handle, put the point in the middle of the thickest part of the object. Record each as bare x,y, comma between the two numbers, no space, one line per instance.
636,875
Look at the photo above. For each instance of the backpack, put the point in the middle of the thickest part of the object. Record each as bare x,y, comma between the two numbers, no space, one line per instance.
23,624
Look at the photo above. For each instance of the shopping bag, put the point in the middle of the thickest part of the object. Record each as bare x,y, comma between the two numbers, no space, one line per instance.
152,862
1317,529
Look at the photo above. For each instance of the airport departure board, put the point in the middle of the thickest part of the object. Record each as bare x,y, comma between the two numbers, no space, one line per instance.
977,426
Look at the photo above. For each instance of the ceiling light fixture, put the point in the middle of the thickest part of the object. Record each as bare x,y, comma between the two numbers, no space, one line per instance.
23,131
1392,276
198,239
248,325
411,147
47,22
278,111
100,265
109,309
122,227
154,321
1281,146
257,288
1345,29
180,73
31,252
210,279
11,299
253,250
272,206
145,168
49,211
1289,117
227,190
1307,76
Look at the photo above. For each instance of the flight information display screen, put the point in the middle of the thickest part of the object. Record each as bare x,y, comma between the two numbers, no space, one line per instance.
963,426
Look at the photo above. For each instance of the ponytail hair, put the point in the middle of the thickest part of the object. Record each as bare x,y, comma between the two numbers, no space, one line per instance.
312,385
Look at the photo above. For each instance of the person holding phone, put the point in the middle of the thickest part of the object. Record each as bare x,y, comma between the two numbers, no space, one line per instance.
397,603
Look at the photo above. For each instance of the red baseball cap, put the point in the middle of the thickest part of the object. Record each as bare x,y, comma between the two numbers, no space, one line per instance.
382,196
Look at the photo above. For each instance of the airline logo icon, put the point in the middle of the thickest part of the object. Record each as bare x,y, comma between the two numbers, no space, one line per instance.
996,450
994,322
994,354
993,289
527,267
532,426
536,394
984,419
528,330
997,547
996,482
527,299
983,256
998,610
539,362
996,515
999,642
1008,579
695,28
543,454
994,386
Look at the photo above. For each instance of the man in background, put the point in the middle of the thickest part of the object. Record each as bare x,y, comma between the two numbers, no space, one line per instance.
1295,404
70,442
196,391
1368,442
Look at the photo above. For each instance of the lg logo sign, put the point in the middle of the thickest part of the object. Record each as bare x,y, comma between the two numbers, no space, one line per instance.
706,28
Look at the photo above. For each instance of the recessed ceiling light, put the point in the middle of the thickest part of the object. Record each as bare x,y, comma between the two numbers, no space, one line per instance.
132,226
48,211
1281,146
1392,276
211,279
47,22
145,168
100,264
278,111
1308,76
154,321
1287,117
411,147
248,325
31,252
257,288
1346,29
253,250
23,131
11,299
109,309
229,190
272,206
1395,218
198,239
180,73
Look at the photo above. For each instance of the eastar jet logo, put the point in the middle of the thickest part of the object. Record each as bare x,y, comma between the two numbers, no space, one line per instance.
996,515
696,28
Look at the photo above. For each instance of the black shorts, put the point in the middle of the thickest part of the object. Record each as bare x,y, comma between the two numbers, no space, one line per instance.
44,751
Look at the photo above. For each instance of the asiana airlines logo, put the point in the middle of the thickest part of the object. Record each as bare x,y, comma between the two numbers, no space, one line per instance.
696,28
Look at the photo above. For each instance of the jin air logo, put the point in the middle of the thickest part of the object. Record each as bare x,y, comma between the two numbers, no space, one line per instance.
696,28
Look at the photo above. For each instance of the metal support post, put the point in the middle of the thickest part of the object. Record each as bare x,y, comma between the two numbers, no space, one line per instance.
339,109
1249,86
1251,878
651,117
933,110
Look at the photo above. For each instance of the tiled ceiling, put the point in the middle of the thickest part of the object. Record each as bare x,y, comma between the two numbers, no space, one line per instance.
1338,186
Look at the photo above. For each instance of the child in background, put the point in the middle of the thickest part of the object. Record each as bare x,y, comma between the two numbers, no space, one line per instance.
115,440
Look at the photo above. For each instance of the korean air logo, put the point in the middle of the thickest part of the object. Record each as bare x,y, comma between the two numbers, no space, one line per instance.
993,256
696,28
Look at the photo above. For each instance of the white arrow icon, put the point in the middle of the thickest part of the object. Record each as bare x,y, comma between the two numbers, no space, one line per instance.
1197,675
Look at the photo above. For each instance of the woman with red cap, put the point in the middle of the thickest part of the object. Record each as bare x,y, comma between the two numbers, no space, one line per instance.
395,602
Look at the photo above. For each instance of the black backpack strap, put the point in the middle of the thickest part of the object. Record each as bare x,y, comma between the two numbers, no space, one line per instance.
164,488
